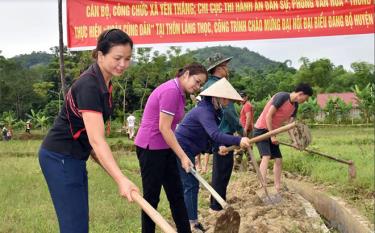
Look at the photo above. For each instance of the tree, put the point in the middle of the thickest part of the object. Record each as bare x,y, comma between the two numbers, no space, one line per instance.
318,73
16,92
309,109
42,88
40,119
366,100
364,73
337,110
259,106
118,84
9,119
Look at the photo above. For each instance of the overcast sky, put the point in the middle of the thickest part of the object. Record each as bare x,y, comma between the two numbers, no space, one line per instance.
32,25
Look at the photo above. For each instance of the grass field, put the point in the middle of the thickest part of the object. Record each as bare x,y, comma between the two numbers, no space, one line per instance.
26,206
356,144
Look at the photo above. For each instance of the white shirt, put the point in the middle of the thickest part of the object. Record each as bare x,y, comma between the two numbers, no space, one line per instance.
131,121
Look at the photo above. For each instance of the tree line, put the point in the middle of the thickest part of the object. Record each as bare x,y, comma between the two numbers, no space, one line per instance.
30,84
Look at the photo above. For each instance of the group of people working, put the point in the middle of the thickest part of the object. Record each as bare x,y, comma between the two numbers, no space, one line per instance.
165,154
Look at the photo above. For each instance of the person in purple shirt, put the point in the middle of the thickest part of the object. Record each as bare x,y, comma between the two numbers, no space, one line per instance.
157,147
193,134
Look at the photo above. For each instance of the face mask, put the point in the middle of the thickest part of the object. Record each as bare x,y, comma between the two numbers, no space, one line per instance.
216,103
220,106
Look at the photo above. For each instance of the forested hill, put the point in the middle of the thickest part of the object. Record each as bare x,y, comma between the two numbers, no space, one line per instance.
242,58
33,59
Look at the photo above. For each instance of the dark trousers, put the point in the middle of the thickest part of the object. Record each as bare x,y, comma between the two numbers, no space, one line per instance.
221,172
67,182
159,168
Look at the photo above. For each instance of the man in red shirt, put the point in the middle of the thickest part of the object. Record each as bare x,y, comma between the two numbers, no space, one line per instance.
280,109
246,115
247,122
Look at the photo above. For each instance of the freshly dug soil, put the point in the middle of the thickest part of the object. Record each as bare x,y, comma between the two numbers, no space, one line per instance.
292,214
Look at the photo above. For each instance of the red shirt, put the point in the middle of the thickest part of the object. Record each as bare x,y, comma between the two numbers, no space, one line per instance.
285,110
247,108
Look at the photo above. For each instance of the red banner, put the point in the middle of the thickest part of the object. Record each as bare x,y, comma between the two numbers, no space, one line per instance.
149,22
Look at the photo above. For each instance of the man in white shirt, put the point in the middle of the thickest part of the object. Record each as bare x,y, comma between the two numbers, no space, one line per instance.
131,125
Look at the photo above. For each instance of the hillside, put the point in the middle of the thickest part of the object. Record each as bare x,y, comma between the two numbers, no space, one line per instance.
242,57
33,59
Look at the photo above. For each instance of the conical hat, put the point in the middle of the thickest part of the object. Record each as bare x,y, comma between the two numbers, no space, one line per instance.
222,89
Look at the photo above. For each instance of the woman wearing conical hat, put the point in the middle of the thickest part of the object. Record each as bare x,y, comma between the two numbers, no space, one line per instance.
218,68
198,127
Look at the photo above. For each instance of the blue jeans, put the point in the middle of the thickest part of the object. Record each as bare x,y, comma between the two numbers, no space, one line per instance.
191,189
67,182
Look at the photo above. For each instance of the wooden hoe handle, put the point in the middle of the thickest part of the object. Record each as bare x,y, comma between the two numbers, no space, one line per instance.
259,175
153,214
321,154
268,134
209,188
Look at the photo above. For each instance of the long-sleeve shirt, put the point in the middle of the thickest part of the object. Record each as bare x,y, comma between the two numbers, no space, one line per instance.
211,80
230,121
201,125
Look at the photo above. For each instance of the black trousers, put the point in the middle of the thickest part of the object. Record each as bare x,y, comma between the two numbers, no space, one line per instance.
221,172
159,168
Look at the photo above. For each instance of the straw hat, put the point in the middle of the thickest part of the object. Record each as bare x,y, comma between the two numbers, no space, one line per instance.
222,89
215,60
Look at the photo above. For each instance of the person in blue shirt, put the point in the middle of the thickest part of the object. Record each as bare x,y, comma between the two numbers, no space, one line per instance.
198,127
218,68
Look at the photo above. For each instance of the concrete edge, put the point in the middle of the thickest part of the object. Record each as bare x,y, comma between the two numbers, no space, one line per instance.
336,211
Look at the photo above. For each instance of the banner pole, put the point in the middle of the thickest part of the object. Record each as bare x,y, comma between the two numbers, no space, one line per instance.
61,52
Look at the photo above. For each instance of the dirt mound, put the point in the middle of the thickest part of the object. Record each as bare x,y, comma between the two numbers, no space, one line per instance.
292,214
27,136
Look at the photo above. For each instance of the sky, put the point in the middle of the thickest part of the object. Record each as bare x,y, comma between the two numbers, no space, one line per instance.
32,25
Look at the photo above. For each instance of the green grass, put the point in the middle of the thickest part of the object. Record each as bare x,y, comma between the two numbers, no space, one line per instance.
19,148
22,148
26,206
356,144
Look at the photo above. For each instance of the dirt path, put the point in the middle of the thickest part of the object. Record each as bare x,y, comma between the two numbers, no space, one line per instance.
292,214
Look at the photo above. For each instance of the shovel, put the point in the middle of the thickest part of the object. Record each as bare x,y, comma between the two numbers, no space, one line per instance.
228,221
152,213
302,138
266,197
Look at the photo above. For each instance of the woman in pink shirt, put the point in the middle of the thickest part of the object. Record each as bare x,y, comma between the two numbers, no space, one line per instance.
157,145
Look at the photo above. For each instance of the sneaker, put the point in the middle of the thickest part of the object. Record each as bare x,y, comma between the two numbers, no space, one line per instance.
198,228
